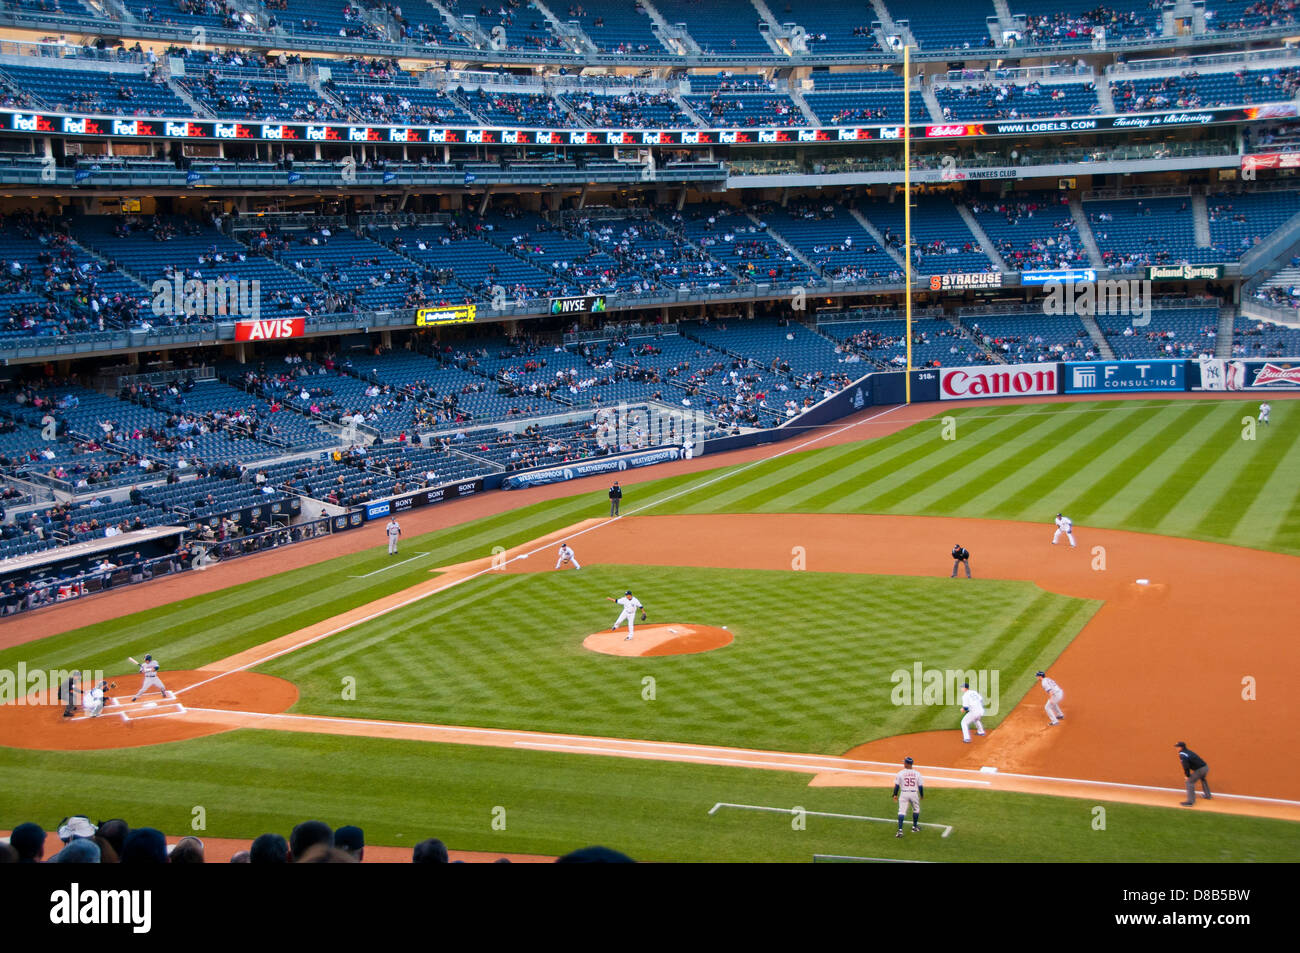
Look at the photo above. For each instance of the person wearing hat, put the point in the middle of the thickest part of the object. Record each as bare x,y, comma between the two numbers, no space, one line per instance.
1054,695
615,498
960,557
630,604
1195,769
351,839
68,692
77,826
909,786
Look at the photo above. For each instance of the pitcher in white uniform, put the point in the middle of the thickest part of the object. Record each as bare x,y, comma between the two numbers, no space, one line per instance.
630,604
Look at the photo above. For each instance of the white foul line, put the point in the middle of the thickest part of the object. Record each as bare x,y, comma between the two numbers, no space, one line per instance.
878,860
947,828
388,567
495,568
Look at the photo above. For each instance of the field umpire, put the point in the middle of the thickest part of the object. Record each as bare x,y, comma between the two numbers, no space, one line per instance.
1195,768
960,557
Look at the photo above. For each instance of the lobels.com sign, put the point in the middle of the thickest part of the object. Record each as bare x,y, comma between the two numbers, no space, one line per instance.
591,468
998,380
595,304
411,501
1107,377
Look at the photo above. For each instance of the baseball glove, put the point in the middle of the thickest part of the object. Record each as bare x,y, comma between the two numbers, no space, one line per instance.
643,616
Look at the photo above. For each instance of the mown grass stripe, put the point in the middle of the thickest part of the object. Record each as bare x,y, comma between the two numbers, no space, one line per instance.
984,489
1161,501
937,459
1124,465
1098,434
1257,461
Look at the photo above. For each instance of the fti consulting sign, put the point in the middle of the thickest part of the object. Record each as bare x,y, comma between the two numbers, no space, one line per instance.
1107,377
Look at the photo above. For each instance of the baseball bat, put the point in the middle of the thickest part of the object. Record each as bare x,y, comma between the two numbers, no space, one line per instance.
132,661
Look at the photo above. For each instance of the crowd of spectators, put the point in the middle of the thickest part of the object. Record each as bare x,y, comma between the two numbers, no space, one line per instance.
311,842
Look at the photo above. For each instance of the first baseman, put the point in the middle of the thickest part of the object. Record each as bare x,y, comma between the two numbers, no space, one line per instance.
566,556
1054,695
973,706
1264,410
149,669
630,604
1064,527
393,530
909,786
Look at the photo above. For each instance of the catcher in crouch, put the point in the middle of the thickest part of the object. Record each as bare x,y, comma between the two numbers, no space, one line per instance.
630,604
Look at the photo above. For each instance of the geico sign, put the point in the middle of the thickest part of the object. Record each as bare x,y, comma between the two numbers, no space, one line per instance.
962,383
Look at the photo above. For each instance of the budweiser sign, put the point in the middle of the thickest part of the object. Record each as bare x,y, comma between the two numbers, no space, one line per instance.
1276,375
1014,380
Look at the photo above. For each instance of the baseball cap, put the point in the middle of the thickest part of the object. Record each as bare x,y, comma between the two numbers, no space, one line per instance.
628,593
1180,744
907,761
350,838
1040,674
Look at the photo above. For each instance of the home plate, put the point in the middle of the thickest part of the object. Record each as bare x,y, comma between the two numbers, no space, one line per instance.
149,705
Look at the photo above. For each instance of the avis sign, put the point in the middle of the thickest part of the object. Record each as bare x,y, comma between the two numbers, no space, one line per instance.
274,329
1012,380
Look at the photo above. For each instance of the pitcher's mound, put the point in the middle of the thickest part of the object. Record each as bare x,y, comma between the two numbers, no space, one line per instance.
671,638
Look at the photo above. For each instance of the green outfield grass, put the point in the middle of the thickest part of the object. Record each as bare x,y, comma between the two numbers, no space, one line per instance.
809,670
250,782
1179,468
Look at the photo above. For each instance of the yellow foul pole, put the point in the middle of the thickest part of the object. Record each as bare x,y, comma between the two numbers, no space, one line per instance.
907,211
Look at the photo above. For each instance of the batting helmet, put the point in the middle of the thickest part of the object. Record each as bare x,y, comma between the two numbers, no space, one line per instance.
148,658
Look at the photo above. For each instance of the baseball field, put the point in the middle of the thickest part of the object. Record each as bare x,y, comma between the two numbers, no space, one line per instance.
803,635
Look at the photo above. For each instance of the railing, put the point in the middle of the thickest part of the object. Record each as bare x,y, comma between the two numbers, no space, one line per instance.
1014,74
203,373
620,330
49,590
1212,61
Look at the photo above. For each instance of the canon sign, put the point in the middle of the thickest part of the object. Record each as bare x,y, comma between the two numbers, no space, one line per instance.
1016,380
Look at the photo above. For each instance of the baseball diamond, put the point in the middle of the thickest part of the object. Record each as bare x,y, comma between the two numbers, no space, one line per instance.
677,431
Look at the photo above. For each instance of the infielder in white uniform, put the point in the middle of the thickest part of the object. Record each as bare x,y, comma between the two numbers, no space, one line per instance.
149,669
566,556
973,706
908,786
630,604
393,531
1054,696
1064,527
1264,410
